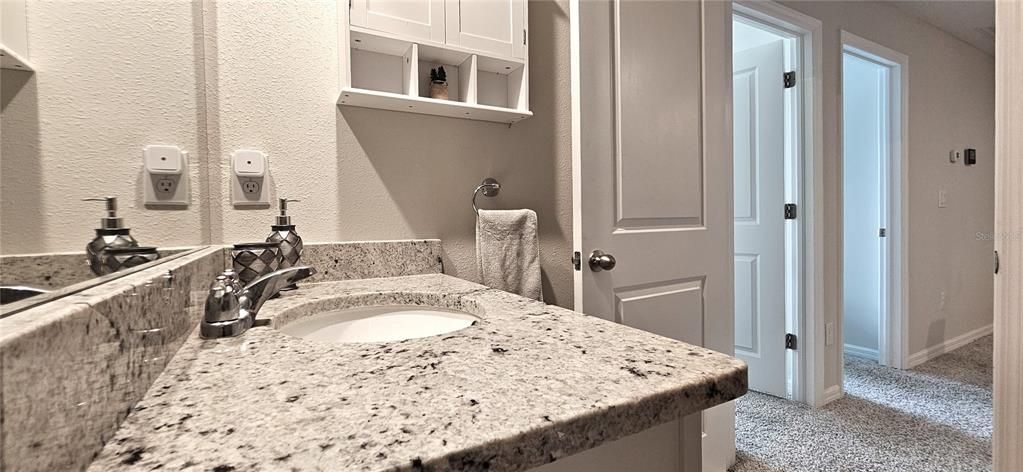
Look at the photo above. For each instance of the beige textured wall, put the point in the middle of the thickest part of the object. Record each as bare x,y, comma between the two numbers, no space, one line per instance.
951,106
369,174
135,75
112,77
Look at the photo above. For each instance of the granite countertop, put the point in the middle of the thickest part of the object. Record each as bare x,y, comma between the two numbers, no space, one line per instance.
528,384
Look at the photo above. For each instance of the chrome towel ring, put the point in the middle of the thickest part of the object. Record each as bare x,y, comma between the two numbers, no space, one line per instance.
490,187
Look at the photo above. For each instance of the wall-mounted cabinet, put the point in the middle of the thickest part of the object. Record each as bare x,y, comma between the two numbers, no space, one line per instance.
413,19
389,47
13,36
492,26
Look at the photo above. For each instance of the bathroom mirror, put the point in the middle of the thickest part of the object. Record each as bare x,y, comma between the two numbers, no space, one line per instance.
18,298
107,99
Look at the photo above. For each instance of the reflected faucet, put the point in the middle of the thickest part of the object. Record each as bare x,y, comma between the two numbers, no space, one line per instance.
231,310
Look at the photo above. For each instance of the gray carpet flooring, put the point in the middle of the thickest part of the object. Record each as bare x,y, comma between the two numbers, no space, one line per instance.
935,417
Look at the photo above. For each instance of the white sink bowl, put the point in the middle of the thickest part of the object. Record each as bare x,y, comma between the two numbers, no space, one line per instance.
376,324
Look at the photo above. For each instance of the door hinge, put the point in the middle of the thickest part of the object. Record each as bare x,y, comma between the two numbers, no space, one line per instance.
790,341
577,259
882,233
789,79
790,211
524,36
349,4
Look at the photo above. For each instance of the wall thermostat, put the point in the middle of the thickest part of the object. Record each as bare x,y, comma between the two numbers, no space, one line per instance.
970,157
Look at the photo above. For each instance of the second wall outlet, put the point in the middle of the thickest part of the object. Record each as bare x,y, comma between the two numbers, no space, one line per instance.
250,178
165,176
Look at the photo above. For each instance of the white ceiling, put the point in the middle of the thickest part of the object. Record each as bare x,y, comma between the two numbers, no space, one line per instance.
972,21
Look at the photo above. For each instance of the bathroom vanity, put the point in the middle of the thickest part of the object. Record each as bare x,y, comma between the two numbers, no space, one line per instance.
526,385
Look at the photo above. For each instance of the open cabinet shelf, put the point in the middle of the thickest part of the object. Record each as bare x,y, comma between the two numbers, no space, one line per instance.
429,106
12,60
385,72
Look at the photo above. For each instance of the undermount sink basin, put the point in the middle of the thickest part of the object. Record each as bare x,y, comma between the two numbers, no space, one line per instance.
374,324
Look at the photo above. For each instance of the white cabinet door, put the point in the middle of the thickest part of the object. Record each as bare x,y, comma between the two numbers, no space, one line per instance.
411,19
653,170
488,26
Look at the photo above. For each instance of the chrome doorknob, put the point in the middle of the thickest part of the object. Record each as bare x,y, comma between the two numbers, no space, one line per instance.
599,260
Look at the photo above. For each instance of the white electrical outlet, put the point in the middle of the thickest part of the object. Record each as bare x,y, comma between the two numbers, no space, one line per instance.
942,198
250,178
941,301
829,333
165,176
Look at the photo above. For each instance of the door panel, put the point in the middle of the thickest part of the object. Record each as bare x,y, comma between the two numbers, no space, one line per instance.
418,19
653,145
491,26
658,102
759,190
747,279
674,309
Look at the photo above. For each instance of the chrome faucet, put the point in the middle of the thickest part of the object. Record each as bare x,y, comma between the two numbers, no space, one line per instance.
231,310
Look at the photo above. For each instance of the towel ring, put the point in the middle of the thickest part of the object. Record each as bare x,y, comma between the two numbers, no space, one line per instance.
490,187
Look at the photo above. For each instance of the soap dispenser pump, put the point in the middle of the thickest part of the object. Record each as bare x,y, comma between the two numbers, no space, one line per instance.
111,234
285,234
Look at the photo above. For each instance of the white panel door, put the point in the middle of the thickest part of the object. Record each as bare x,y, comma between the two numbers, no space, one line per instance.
759,186
1008,353
411,19
653,174
490,26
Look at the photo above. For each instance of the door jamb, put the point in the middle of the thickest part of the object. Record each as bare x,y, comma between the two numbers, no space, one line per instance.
807,365
894,342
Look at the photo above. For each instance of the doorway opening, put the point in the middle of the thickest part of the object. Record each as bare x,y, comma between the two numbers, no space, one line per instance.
767,179
873,129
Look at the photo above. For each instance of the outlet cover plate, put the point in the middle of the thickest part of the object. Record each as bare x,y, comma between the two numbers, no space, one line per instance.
165,176
250,179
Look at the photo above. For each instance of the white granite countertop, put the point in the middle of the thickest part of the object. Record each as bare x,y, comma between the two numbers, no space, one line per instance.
528,384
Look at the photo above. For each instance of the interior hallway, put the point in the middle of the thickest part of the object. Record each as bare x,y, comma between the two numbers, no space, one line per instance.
935,417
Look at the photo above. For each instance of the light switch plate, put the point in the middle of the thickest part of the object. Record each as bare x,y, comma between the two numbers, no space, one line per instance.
165,176
250,179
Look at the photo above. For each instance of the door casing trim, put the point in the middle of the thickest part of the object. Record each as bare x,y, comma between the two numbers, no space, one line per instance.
894,326
807,365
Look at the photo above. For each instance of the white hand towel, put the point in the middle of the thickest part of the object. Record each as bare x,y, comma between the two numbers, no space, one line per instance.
508,251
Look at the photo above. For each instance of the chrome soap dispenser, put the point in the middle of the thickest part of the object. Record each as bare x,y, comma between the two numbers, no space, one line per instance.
285,234
111,234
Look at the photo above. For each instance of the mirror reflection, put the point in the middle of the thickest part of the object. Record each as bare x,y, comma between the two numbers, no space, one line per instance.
103,125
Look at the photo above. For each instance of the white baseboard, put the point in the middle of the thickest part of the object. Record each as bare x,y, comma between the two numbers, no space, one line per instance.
831,394
948,346
860,351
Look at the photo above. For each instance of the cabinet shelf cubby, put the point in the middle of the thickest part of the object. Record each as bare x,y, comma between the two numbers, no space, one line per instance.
387,72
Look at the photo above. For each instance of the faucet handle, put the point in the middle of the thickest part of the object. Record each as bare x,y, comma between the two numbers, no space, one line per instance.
222,301
231,276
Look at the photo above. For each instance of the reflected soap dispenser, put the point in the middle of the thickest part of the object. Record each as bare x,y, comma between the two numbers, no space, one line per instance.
111,234
285,234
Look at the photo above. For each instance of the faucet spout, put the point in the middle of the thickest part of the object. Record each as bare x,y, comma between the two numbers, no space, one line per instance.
230,313
256,293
